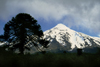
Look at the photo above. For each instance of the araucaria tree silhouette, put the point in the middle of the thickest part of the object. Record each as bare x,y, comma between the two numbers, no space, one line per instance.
23,31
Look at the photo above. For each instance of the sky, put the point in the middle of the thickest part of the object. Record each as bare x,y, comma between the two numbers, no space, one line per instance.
79,15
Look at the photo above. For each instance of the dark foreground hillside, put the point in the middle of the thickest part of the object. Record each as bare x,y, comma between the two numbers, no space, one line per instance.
7,59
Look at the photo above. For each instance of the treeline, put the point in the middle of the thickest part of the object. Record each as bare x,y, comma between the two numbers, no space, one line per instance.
9,59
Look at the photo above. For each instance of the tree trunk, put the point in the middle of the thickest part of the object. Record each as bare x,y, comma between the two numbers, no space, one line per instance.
21,48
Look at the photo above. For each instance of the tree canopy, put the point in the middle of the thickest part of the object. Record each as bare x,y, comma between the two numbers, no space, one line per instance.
22,31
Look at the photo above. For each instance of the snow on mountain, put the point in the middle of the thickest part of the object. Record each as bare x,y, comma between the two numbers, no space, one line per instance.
2,43
62,36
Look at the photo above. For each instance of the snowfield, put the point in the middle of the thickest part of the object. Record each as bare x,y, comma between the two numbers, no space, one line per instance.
62,34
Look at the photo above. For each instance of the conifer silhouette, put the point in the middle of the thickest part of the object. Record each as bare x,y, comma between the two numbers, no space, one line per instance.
22,30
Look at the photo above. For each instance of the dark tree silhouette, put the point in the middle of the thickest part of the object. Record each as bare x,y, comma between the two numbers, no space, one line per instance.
22,31
79,51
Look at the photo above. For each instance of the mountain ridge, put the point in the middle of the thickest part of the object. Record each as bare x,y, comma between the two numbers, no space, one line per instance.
63,38
69,39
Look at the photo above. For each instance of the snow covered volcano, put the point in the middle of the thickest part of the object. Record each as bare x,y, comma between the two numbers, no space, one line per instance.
64,38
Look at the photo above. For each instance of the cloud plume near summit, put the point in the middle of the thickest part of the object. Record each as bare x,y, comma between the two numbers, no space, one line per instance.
84,13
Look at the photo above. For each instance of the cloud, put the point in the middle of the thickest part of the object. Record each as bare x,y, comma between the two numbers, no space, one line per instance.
36,8
85,13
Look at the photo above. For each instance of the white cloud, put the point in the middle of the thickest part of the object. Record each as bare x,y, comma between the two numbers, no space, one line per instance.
85,13
98,35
